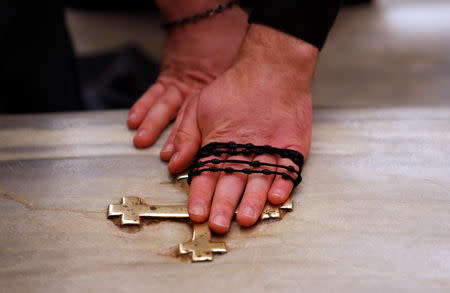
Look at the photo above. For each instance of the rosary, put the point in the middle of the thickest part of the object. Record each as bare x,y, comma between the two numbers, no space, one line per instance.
203,162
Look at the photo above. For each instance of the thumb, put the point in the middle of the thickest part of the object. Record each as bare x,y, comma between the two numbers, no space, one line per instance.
187,140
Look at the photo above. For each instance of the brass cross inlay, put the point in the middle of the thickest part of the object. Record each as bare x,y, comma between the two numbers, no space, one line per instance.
132,208
201,246
276,212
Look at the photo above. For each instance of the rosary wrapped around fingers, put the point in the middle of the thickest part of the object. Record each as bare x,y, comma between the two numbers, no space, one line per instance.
231,148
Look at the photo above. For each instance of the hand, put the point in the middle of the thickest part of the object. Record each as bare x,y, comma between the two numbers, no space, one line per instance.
264,98
194,55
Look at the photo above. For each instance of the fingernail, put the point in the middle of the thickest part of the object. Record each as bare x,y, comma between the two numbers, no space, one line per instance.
197,210
142,132
249,212
167,148
221,221
277,193
132,117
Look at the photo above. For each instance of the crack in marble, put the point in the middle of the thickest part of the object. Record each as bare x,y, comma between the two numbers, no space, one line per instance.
25,203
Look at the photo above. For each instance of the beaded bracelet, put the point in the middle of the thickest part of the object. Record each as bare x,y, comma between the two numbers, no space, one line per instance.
207,13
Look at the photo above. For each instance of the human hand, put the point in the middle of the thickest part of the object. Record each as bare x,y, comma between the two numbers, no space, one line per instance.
264,98
194,55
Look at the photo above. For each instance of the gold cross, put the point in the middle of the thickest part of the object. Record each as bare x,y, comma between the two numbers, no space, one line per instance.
276,212
132,209
201,246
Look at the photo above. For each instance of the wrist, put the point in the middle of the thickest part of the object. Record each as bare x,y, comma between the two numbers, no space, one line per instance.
282,53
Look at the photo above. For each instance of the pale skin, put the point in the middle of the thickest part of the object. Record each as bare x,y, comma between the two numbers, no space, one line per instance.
263,97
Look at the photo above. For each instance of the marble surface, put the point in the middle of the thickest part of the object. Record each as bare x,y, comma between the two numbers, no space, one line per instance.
372,214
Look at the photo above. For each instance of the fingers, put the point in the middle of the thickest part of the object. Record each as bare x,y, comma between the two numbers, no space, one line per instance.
281,188
229,189
158,117
168,149
224,192
187,140
141,107
255,195
200,195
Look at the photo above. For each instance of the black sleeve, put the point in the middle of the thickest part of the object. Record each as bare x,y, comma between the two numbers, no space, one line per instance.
309,20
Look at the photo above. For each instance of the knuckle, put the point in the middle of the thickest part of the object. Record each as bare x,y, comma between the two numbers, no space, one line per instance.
200,197
171,101
182,136
227,204
255,198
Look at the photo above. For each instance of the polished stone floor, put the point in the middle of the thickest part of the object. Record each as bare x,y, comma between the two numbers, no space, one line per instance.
390,53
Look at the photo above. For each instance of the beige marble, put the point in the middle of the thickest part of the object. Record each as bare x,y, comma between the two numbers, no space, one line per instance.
372,214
